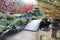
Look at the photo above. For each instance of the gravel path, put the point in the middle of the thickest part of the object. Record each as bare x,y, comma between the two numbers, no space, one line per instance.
24,35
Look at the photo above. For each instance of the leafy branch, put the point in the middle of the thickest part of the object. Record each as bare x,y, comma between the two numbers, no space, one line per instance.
49,2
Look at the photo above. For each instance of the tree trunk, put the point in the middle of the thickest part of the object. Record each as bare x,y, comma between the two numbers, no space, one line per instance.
6,13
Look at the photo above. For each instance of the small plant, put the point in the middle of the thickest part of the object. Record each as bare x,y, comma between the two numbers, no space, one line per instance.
11,17
1,15
21,21
33,17
2,28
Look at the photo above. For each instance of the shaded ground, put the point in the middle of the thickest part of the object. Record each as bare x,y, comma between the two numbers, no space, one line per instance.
29,35
24,35
46,35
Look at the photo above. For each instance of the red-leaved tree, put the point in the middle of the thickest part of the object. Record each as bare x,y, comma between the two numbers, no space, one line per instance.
4,4
26,8
7,6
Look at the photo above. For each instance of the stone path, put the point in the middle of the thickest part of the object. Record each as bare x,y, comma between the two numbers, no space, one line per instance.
24,35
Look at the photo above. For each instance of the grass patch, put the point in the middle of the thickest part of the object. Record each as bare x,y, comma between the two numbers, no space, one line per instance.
48,38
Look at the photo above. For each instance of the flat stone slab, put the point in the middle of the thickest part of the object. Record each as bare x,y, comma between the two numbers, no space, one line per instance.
33,25
24,35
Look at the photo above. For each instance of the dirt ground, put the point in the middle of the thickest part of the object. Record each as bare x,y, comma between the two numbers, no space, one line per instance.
29,35
24,35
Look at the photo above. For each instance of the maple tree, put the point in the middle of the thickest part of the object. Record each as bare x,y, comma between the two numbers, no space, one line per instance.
26,7
4,6
8,6
51,8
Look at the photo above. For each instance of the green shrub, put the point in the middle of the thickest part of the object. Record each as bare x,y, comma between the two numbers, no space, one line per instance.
8,22
1,15
21,21
2,28
11,17
14,13
33,17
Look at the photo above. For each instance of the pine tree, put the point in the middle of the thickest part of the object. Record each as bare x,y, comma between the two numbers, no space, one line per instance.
35,13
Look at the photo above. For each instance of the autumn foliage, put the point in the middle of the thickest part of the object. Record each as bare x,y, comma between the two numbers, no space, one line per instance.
26,7
10,6
50,8
13,8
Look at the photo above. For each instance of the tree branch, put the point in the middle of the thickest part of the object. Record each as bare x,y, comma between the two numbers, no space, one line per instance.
51,3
